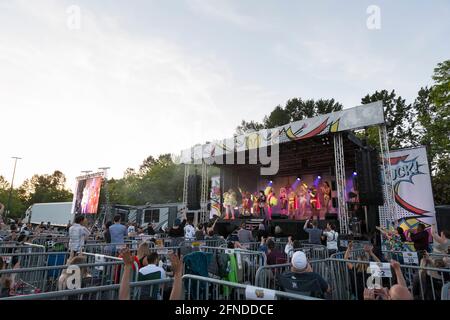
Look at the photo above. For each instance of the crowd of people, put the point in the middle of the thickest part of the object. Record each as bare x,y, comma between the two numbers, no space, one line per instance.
300,278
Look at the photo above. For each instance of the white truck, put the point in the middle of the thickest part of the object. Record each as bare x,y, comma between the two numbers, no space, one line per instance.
59,214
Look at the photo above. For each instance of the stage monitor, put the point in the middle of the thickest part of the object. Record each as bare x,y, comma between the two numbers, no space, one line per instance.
87,194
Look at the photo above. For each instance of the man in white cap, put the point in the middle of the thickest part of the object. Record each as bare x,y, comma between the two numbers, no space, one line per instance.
302,279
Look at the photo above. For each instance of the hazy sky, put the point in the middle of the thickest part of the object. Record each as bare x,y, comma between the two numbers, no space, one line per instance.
145,77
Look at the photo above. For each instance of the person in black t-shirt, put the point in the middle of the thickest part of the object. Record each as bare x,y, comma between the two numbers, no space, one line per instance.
302,279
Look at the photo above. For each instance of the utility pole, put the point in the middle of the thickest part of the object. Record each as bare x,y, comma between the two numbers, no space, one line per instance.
8,208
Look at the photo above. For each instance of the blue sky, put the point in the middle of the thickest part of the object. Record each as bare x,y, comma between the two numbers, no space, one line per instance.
147,77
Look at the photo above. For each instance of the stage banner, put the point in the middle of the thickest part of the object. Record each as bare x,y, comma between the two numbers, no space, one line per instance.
215,197
412,187
362,116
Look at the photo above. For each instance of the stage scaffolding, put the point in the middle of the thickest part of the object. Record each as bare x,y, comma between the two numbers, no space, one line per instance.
356,118
340,183
388,212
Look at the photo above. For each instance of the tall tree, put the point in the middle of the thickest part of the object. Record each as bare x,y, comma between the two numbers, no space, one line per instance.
45,188
398,116
299,109
278,117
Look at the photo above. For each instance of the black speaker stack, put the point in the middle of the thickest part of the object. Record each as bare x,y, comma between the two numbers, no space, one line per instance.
368,179
193,196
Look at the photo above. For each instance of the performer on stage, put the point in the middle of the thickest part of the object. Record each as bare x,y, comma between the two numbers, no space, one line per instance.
229,202
292,204
271,201
314,203
262,203
246,206
302,200
255,205
284,201
326,191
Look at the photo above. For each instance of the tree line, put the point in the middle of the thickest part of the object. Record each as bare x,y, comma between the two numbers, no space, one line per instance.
425,121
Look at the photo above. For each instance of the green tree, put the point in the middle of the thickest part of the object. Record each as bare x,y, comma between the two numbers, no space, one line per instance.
17,205
278,117
299,109
45,188
398,117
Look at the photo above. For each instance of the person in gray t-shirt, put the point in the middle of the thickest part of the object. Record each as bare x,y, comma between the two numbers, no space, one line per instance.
117,231
245,235
314,233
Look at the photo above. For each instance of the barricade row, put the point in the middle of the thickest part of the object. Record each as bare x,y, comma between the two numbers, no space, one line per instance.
195,288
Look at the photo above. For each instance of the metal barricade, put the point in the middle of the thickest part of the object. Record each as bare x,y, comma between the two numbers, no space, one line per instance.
350,278
266,276
93,292
45,279
202,288
248,262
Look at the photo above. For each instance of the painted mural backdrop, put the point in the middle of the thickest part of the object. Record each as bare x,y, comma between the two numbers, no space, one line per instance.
412,187
215,197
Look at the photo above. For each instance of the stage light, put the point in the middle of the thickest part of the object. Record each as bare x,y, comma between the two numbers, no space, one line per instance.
355,173
298,179
319,177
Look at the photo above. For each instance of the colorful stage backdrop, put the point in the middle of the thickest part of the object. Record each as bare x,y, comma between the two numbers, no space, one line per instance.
412,187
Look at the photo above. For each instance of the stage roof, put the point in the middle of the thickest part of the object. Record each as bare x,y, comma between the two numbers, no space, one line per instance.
349,119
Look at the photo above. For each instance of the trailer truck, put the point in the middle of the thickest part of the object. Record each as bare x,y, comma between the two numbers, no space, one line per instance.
59,214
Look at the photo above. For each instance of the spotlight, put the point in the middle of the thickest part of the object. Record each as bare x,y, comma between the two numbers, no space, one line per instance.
319,177
298,179
355,173
270,181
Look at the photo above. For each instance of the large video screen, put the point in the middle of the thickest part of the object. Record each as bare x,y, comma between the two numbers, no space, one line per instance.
87,195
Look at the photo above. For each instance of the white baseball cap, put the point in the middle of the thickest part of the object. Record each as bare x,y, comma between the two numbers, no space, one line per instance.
299,260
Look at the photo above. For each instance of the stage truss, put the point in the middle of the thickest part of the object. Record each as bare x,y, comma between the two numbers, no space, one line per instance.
340,183
388,213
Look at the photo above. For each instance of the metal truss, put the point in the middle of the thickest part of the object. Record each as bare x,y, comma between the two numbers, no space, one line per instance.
390,214
340,183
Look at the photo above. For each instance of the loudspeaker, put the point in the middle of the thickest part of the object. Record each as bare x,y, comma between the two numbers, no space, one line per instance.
173,211
334,202
369,177
193,196
333,185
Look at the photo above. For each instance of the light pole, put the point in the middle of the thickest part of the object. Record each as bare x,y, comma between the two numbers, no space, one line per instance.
8,208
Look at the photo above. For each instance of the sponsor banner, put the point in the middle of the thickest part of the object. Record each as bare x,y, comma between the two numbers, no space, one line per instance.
348,119
413,193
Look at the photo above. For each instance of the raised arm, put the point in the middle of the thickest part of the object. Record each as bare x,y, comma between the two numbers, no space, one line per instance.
347,255
369,250
398,273
306,224
436,236
124,291
382,230
177,289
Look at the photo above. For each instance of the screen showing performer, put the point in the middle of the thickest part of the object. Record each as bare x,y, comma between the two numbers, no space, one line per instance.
88,195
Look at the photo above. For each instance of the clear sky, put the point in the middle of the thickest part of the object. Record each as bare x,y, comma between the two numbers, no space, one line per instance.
146,77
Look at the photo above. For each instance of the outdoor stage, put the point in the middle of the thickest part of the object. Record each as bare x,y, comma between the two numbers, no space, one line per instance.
316,169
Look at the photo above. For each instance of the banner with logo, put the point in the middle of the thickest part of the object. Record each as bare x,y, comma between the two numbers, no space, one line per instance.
412,187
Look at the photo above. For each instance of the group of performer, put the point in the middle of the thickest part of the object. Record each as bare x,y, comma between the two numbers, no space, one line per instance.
292,203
